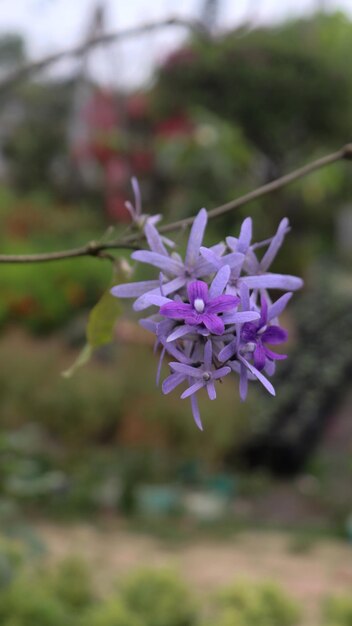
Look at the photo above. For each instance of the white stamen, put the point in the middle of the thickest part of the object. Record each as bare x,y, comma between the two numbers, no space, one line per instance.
199,305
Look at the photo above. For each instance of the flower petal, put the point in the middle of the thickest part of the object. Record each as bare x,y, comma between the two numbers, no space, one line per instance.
164,263
175,310
187,370
274,335
133,290
275,245
259,356
265,382
192,389
208,354
180,331
243,382
197,289
275,356
211,390
219,282
221,372
213,323
222,303
154,240
277,307
195,411
171,382
173,285
196,238
240,317
227,353
273,281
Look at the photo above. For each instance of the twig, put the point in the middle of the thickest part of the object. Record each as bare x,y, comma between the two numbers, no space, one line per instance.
36,66
132,241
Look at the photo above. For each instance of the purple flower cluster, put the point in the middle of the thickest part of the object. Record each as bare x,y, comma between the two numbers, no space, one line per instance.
214,314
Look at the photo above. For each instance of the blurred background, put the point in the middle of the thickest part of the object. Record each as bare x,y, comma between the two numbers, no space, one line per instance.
250,522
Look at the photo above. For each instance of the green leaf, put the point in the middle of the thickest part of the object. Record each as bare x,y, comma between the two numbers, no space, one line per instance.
82,359
102,319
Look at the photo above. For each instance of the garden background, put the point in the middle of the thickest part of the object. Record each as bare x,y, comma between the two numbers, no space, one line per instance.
248,523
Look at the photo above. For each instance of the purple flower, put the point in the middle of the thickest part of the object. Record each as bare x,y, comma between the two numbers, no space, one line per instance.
254,336
202,376
201,309
209,321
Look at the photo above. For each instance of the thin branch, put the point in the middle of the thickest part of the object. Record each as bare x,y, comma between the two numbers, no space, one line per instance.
132,241
35,66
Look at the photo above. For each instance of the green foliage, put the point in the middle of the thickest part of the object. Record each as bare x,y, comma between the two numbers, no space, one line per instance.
264,604
338,611
72,584
111,613
159,598
28,603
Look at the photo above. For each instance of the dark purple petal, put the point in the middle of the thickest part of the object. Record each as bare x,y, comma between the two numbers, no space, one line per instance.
171,382
213,323
259,357
194,318
221,304
195,412
249,332
187,370
176,310
275,356
274,335
196,238
197,289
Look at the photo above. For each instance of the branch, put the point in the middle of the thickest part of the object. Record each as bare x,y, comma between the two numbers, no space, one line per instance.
24,71
132,241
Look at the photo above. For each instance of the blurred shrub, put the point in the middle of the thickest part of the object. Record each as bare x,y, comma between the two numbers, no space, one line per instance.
249,604
72,584
338,611
111,613
11,557
159,598
27,603
45,297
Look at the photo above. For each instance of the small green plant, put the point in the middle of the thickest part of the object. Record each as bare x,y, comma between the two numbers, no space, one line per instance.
338,611
265,604
111,613
159,598
71,583
28,603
